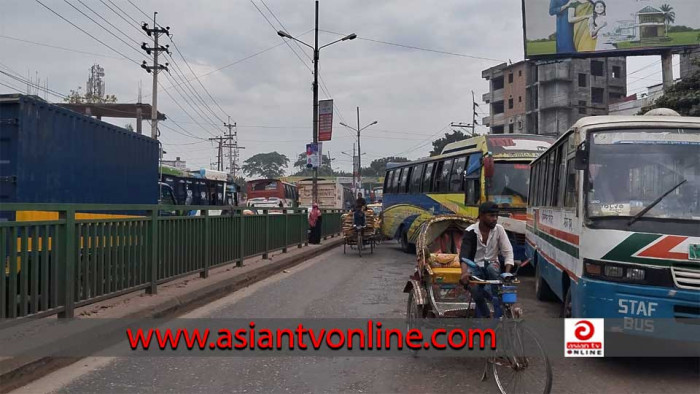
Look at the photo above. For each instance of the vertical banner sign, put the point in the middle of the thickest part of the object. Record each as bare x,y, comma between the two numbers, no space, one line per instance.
313,155
325,120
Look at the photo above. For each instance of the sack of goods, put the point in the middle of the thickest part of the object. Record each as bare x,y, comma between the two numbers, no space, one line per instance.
444,260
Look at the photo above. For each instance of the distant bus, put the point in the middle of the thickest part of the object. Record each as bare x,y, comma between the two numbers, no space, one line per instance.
467,173
613,224
270,193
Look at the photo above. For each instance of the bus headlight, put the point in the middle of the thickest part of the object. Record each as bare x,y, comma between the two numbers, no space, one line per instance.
613,271
636,274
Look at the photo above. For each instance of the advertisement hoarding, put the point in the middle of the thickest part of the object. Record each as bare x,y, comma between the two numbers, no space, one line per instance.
313,155
586,28
325,120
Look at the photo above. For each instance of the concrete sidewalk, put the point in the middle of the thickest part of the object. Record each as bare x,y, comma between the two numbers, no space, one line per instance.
173,299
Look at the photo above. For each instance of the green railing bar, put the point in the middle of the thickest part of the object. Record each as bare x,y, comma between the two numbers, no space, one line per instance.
153,255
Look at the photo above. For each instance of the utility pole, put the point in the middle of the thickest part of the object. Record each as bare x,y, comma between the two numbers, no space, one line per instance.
155,33
359,153
231,139
667,69
314,184
474,122
219,158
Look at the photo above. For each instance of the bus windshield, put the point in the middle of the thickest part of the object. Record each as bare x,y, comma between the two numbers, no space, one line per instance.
510,184
629,170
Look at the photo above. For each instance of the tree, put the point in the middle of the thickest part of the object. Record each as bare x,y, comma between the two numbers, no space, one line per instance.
669,15
75,97
683,97
440,143
325,170
266,165
378,166
129,127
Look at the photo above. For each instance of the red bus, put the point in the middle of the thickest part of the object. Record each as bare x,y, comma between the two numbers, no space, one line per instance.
270,193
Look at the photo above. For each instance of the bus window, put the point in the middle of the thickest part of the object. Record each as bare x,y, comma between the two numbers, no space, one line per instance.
444,177
473,184
387,181
404,180
570,198
416,177
395,180
428,177
457,175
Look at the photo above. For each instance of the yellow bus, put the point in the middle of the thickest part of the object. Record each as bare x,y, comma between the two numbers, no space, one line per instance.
467,173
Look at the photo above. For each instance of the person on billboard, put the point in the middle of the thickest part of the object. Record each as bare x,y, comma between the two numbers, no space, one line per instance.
579,17
598,26
565,30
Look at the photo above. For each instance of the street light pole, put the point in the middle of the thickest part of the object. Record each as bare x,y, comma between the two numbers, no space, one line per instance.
314,186
316,49
359,153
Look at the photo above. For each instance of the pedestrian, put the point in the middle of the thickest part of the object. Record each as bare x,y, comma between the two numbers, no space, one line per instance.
315,221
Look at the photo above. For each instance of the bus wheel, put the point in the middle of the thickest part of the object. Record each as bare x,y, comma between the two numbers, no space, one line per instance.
542,290
566,309
405,246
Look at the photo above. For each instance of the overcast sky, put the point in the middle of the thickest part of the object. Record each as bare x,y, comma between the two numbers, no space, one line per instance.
413,94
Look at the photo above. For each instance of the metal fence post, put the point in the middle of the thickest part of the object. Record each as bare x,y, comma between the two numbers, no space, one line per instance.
67,294
286,240
241,239
267,234
153,246
301,228
207,244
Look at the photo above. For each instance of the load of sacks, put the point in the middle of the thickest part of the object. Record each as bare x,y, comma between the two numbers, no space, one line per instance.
443,260
371,220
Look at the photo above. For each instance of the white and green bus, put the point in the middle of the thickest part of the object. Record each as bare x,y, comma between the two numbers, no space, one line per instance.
613,221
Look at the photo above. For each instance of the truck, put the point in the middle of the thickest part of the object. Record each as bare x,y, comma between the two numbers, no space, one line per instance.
54,155
331,194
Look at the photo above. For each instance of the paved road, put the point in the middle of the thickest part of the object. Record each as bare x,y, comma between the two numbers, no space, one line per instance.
337,285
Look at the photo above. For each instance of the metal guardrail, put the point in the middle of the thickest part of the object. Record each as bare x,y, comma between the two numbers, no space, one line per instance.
55,266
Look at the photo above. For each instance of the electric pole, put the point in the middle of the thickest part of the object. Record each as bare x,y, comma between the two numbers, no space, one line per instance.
219,161
231,139
359,152
155,33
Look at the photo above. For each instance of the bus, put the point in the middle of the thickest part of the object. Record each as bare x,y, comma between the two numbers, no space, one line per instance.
466,174
270,193
613,224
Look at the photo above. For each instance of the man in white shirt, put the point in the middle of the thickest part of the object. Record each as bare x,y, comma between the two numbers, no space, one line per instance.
483,241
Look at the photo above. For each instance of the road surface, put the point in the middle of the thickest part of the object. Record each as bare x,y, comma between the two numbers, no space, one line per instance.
337,285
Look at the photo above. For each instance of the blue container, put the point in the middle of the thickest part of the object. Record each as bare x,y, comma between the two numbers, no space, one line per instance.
50,154
509,294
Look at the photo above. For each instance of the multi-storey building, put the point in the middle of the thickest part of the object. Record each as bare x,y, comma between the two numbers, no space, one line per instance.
547,98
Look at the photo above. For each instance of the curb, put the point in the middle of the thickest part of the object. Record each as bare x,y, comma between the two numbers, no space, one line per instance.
17,372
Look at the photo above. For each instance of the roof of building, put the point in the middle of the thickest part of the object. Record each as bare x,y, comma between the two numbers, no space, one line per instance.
650,10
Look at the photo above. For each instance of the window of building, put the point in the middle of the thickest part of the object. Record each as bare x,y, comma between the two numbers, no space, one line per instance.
510,128
497,130
520,73
457,175
582,107
520,99
510,103
510,78
428,177
497,107
597,68
597,95
416,178
497,83
582,80
617,72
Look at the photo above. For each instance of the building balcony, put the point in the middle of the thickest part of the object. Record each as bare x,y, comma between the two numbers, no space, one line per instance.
497,119
497,95
486,97
486,121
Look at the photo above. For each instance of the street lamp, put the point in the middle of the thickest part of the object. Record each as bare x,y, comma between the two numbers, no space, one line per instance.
359,155
316,50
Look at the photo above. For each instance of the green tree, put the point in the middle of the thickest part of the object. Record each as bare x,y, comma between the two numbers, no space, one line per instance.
76,97
683,97
129,127
669,15
378,166
325,170
440,143
266,165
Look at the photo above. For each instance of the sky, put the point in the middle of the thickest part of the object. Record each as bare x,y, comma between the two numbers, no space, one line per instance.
264,84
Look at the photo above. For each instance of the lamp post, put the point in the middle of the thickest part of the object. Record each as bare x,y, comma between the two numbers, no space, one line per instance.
359,153
316,49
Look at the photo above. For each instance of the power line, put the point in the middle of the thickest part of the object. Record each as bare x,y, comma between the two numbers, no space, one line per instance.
136,25
108,22
58,47
188,103
79,28
103,28
419,48
137,7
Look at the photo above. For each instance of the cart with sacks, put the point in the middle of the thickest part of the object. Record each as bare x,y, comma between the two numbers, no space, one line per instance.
361,239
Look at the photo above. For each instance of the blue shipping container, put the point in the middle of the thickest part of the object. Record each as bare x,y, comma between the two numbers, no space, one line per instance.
49,154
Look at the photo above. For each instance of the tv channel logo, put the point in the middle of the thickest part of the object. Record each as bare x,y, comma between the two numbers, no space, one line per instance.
584,338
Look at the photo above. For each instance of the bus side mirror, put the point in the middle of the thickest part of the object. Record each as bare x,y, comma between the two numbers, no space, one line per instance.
581,158
488,166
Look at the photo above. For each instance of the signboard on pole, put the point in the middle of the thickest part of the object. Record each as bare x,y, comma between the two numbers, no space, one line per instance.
313,155
585,28
325,120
